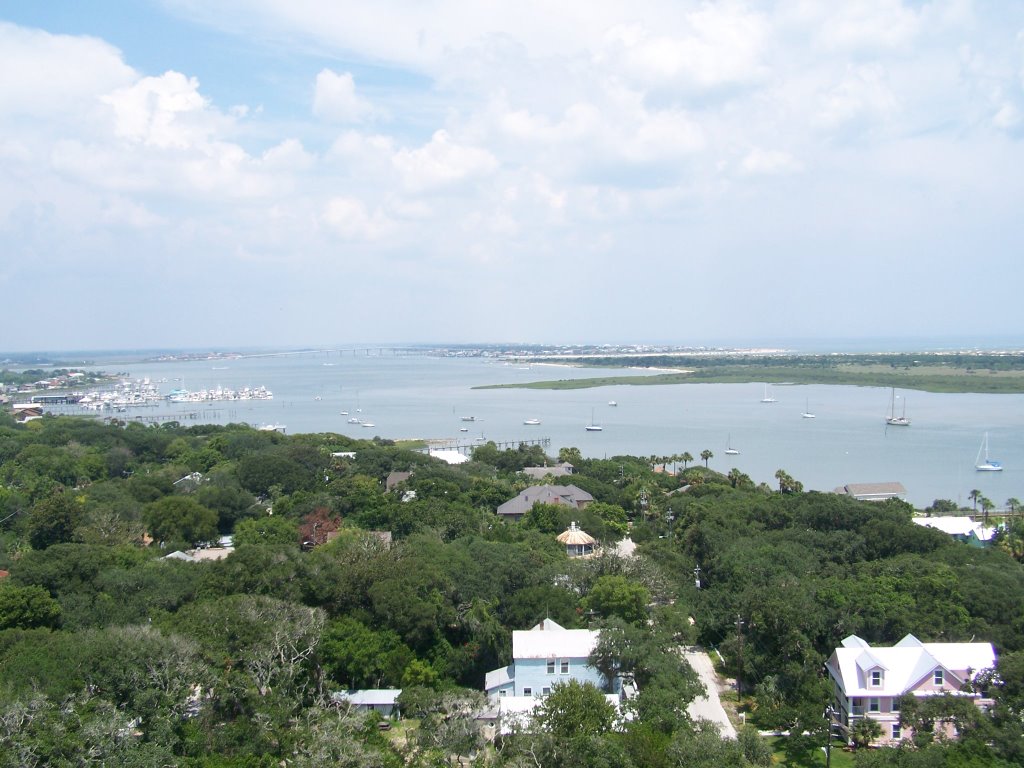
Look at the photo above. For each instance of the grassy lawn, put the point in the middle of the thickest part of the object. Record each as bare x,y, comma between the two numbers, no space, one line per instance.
812,759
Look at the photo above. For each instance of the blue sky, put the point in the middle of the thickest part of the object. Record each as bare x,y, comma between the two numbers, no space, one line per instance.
188,173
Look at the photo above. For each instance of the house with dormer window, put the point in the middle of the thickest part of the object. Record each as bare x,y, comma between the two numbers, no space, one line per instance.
868,681
544,656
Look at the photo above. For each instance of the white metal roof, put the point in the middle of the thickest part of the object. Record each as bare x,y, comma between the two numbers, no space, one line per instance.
553,642
906,664
370,696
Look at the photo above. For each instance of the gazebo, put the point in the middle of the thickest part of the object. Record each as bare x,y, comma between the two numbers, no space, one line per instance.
578,543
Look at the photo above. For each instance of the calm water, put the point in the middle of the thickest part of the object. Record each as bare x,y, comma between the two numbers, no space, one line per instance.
423,397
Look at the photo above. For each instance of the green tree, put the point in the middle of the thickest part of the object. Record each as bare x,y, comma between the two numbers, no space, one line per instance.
573,709
706,456
865,731
570,455
269,530
27,607
974,495
53,520
686,458
618,596
180,518
359,657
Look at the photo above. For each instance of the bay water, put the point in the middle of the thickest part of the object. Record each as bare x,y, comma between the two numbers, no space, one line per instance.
426,397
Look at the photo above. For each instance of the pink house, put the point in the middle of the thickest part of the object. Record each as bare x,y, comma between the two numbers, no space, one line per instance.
869,681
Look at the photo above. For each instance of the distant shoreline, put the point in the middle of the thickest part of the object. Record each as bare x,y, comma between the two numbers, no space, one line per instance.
979,373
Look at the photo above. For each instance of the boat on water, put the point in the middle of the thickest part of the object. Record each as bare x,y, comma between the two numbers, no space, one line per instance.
592,427
463,429
532,422
807,411
367,424
767,396
729,450
353,420
612,403
982,463
469,418
892,419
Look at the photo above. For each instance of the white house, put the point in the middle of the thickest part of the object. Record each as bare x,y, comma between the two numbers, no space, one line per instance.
542,657
869,681
383,700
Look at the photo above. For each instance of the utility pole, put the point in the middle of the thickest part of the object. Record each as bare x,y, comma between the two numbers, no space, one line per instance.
830,714
739,669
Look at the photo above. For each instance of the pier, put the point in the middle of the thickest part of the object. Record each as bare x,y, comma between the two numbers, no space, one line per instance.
466,446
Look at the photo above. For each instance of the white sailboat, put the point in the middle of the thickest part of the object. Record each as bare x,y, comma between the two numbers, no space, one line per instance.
531,422
592,427
767,396
894,420
807,410
984,463
729,450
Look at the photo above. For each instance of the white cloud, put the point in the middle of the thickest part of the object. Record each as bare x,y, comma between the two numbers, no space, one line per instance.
45,74
350,218
288,156
863,93
760,162
863,24
442,162
335,98
165,112
716,45
119,210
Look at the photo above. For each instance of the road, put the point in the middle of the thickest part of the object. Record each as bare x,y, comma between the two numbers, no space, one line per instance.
708,707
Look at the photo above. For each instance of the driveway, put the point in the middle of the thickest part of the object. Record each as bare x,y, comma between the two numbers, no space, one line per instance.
708,707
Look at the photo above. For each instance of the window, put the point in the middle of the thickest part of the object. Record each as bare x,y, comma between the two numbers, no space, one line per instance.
551,666
876,678
938,678
501,693
527,691
895,705
545,691
897,734
565,666
873,704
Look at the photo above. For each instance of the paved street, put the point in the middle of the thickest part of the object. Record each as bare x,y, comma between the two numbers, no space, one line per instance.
708,707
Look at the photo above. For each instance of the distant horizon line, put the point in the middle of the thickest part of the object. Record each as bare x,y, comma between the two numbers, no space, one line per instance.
791,345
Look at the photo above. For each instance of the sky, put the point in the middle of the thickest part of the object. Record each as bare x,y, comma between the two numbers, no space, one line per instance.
268,173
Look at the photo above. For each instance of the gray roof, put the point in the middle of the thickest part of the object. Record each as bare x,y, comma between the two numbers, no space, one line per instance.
561,469
544,494
871,491
395,478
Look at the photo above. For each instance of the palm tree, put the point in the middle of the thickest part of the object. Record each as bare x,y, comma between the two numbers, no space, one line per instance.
986,507
781,476
786,483
974,496
706,456
1013,504
686,458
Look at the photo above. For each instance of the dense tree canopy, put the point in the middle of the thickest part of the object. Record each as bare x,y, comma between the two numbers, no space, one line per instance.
109,650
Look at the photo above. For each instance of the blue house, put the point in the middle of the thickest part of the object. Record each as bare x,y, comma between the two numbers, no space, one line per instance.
544,656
